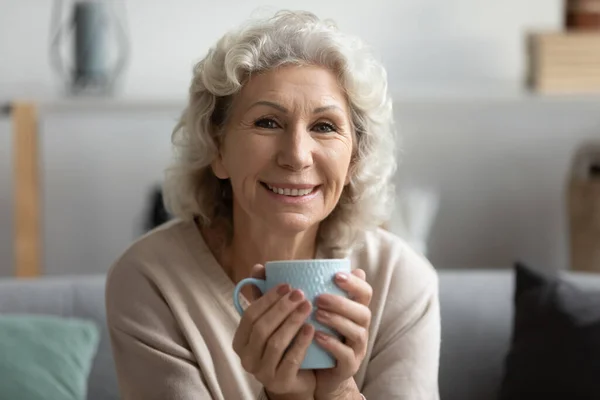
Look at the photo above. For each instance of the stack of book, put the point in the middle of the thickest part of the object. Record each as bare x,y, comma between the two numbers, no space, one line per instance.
564,62
568,61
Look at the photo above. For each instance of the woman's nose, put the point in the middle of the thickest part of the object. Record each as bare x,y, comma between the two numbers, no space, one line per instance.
296,149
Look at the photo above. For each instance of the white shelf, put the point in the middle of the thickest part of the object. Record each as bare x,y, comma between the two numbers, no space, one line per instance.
415,96
484,95
49,99
126,105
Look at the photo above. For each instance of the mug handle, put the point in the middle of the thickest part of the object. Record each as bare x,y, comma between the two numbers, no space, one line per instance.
260,283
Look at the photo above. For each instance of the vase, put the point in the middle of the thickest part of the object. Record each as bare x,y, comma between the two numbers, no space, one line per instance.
90,46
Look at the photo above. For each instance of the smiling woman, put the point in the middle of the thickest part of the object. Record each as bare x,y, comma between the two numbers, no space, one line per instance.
223,89
284,152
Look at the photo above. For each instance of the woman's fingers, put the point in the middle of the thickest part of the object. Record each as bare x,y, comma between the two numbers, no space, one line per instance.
254,312
345,356
359,273
350,317
292,361
356,312
355,285
270,321
355,335
280,340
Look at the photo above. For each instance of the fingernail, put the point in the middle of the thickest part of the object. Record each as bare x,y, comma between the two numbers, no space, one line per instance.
306,329
283,289
321,336
323,314
341,276
304,307
296,295
322,301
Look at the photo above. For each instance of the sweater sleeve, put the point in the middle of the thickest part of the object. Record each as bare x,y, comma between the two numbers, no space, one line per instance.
404,362
153,359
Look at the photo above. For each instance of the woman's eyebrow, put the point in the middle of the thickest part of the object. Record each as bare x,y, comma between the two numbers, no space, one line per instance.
326,108
269,104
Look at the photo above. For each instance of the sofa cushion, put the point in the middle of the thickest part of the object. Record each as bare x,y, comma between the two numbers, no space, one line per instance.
45,357
68,296
555,351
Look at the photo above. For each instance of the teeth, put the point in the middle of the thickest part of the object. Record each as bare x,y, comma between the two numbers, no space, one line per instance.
290,192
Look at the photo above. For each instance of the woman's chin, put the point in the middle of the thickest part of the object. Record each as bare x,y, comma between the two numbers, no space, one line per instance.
292,224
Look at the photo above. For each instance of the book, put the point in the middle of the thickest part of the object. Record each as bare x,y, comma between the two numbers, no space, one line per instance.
564,62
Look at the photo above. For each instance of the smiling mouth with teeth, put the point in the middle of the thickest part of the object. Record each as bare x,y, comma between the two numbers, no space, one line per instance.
290,192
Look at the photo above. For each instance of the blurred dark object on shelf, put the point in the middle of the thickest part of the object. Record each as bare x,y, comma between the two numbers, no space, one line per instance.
157,213
5,109
583,15
564,62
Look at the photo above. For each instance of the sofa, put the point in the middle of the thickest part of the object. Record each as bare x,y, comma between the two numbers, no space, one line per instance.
476,308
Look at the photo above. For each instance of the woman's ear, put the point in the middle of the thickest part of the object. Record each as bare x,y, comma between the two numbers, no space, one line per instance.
351,171
348,177
219,169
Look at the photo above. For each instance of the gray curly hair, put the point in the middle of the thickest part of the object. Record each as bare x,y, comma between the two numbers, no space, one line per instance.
191,189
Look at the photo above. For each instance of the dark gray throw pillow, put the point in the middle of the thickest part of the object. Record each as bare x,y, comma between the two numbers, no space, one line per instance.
555,350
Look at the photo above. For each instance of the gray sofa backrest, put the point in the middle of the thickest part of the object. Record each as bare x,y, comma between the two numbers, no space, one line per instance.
476,324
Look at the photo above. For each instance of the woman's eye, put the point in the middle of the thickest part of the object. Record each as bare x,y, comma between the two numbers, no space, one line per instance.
324,127
266,123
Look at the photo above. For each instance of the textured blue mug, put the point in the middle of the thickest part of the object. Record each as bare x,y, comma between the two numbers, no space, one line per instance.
313,277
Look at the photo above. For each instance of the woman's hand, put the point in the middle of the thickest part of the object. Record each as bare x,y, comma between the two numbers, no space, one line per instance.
351,318
267,328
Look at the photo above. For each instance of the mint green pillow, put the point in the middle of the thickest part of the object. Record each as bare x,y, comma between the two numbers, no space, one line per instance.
45,357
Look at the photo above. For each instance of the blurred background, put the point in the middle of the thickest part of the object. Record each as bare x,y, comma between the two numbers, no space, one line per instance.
488,141
497,106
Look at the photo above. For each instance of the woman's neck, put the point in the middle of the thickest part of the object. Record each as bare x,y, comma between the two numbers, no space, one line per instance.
256,245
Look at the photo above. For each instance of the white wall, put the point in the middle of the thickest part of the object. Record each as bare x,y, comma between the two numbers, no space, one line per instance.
467,42
501,168
98,167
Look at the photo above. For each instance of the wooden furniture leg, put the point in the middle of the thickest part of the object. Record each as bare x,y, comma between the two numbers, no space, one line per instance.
27,216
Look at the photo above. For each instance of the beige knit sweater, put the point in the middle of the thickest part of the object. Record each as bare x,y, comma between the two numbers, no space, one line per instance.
172,320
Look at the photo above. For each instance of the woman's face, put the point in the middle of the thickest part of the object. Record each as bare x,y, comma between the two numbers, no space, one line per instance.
287,148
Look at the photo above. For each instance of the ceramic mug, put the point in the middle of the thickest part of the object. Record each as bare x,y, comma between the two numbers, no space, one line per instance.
313,277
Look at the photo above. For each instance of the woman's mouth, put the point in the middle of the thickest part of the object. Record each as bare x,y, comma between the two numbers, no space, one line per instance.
291,192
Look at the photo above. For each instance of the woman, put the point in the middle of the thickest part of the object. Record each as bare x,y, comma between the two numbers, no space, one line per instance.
285,151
